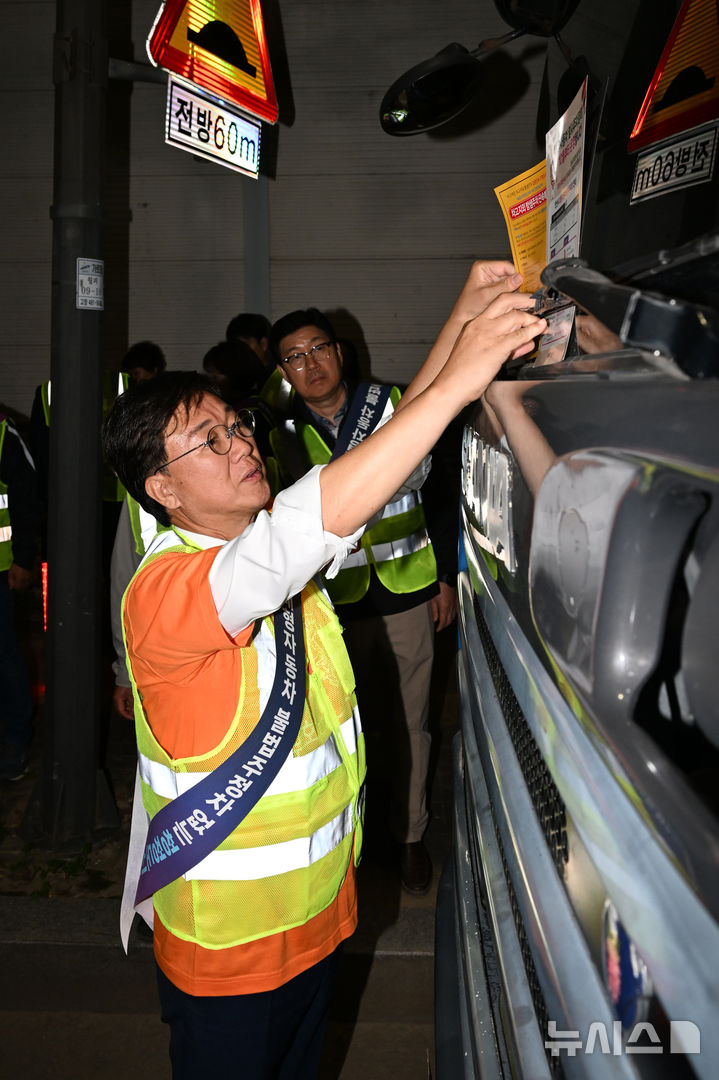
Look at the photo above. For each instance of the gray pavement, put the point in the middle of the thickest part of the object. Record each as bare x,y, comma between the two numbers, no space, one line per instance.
73,1006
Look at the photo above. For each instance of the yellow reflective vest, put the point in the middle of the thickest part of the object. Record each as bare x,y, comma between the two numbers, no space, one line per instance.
396,545
114,383
288,858
277,392
144,526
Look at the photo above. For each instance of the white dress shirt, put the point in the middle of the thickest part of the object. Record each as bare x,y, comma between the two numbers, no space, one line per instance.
275,556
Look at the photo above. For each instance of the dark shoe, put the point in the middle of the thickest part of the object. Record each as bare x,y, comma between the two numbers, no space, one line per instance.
415,868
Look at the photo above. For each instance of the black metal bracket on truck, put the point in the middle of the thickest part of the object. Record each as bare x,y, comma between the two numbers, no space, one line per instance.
645,319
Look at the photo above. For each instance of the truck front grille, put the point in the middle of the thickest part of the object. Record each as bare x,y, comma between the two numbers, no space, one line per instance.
549,807
547,801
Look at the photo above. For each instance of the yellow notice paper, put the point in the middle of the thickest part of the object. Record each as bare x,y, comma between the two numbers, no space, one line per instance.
524,205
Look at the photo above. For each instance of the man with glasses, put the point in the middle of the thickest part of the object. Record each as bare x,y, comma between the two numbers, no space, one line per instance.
251,759
387,596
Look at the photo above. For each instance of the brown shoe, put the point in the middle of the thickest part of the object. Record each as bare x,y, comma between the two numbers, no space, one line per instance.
415,868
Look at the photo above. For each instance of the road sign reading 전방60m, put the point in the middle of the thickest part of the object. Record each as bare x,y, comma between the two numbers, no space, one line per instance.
219,45
210,129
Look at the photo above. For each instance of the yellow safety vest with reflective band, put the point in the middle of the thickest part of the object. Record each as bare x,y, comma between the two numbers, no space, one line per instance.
288,858
45,394
144,526
277,392
5,526
397,546
134,510
114,383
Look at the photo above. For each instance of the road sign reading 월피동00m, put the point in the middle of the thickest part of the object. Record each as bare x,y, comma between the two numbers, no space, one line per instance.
210,129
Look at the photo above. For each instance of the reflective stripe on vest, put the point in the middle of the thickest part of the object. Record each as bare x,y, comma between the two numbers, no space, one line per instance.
5,533
381,546
386,552
253,864
296,775
3,501
312,767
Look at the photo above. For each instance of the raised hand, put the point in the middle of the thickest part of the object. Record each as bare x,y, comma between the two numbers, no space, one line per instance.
505,328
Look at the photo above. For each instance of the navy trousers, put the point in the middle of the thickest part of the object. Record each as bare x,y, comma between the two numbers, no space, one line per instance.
15,696
275,1035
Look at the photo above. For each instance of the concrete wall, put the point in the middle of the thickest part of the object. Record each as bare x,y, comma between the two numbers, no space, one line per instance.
376,230
26,103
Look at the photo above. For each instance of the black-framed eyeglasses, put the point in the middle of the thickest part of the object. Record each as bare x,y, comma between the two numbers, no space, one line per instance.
219,437
296,360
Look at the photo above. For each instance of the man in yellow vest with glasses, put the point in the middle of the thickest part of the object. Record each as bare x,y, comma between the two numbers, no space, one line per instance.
388,595
251,760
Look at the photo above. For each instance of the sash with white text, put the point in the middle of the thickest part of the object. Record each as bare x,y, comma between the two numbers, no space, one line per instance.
190,827
365,412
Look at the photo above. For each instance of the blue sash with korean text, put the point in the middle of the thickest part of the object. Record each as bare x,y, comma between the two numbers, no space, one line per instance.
190,827
365,412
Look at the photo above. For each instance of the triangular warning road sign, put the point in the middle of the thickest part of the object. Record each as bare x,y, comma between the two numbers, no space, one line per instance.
220,46
684,92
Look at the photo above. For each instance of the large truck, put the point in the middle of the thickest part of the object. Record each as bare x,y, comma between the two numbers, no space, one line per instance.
578,920
577,923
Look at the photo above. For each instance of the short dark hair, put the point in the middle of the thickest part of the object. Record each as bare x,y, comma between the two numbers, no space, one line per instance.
240,369
146,355
133,435
294,321
247,325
